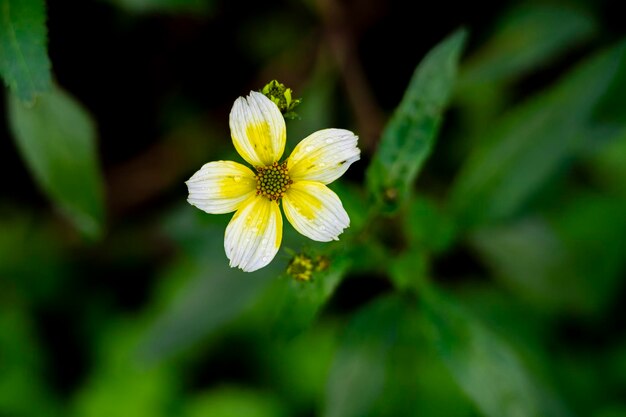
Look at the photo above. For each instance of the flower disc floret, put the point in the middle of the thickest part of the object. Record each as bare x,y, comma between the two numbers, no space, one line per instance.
273,181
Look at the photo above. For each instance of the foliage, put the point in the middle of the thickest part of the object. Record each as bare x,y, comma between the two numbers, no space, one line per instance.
483,270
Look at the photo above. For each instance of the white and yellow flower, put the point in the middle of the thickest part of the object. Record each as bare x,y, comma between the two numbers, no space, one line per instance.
254,234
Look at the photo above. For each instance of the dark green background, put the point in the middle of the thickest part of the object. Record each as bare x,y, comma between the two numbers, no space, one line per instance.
492,284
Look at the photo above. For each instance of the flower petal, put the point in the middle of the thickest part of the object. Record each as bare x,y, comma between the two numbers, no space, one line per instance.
254,234
324,156
221,186
258,129
315,211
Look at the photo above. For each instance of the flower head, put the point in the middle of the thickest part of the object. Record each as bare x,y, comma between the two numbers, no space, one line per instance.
254,234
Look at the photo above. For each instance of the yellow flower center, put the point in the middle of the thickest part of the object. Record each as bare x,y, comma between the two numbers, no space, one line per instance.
272,181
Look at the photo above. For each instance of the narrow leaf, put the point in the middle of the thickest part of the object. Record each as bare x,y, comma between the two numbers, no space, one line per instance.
409,136
24,62
57,140
533,143
485,366
527,37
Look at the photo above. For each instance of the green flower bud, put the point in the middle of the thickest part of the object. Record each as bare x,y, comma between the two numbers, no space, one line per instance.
282,97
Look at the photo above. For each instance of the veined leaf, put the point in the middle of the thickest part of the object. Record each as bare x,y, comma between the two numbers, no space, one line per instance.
409,136
532,143
485,366
24,62
57,140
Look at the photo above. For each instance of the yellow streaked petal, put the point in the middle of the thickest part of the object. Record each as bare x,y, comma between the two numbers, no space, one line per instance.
323,156
315,211
258,129
254,234
221,186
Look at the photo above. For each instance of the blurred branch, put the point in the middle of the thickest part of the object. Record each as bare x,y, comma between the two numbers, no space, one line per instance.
339,36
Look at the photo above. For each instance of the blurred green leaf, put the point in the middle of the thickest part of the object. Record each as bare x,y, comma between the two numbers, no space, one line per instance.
608,165
526,37
209,294
200,7
23,389
533,143
616,410
34,265
358,373
572,260
122,385
57,139
298,303
299,367
418,384
428,225
609,112
409,136
484,365
24,62
593,230
529,258
414,260
235,402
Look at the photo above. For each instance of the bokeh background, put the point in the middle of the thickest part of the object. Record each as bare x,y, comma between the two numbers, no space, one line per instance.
495,289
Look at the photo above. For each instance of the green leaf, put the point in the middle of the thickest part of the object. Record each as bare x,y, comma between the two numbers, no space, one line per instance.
418,384
608,165
24,390
57,140
530,259
208,295
33,260
409,136
428,226
570,259
119,384
484,365
299,369
358,373
297,304
533,143
527,37
24,62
